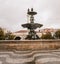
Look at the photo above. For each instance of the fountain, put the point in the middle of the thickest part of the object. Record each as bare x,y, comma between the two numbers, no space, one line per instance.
32,26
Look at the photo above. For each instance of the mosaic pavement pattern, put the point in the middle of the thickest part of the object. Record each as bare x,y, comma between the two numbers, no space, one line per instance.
30,57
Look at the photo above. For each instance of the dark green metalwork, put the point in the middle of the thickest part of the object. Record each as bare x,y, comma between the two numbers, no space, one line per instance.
32,26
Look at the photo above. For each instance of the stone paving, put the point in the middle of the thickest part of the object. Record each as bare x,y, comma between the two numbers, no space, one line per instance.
30,57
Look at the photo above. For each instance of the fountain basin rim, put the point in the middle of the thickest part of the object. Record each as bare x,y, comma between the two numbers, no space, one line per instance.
32,25
34,40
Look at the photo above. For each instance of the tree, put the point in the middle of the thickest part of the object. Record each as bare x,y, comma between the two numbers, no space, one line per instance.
57,34
47,36
9,36
2,35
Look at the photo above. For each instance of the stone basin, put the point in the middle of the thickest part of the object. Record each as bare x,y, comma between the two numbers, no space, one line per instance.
29,44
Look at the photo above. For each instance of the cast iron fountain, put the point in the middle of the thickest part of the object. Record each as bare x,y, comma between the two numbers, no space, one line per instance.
32,26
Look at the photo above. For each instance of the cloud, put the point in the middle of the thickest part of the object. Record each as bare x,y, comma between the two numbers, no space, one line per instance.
13,13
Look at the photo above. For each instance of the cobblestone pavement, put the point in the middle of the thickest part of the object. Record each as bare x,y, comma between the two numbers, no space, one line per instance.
30,57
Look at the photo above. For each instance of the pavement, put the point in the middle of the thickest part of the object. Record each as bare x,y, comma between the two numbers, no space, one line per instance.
30,57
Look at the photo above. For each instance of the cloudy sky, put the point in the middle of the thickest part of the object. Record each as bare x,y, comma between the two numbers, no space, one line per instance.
13,13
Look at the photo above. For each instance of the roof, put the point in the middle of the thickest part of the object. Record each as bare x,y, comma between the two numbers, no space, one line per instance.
39,31
21,31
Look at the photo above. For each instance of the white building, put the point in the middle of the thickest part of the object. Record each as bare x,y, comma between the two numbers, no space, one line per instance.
24,33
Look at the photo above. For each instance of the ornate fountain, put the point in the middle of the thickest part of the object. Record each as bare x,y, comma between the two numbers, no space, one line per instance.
32,26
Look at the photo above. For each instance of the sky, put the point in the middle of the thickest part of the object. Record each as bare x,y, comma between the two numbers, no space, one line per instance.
13,13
